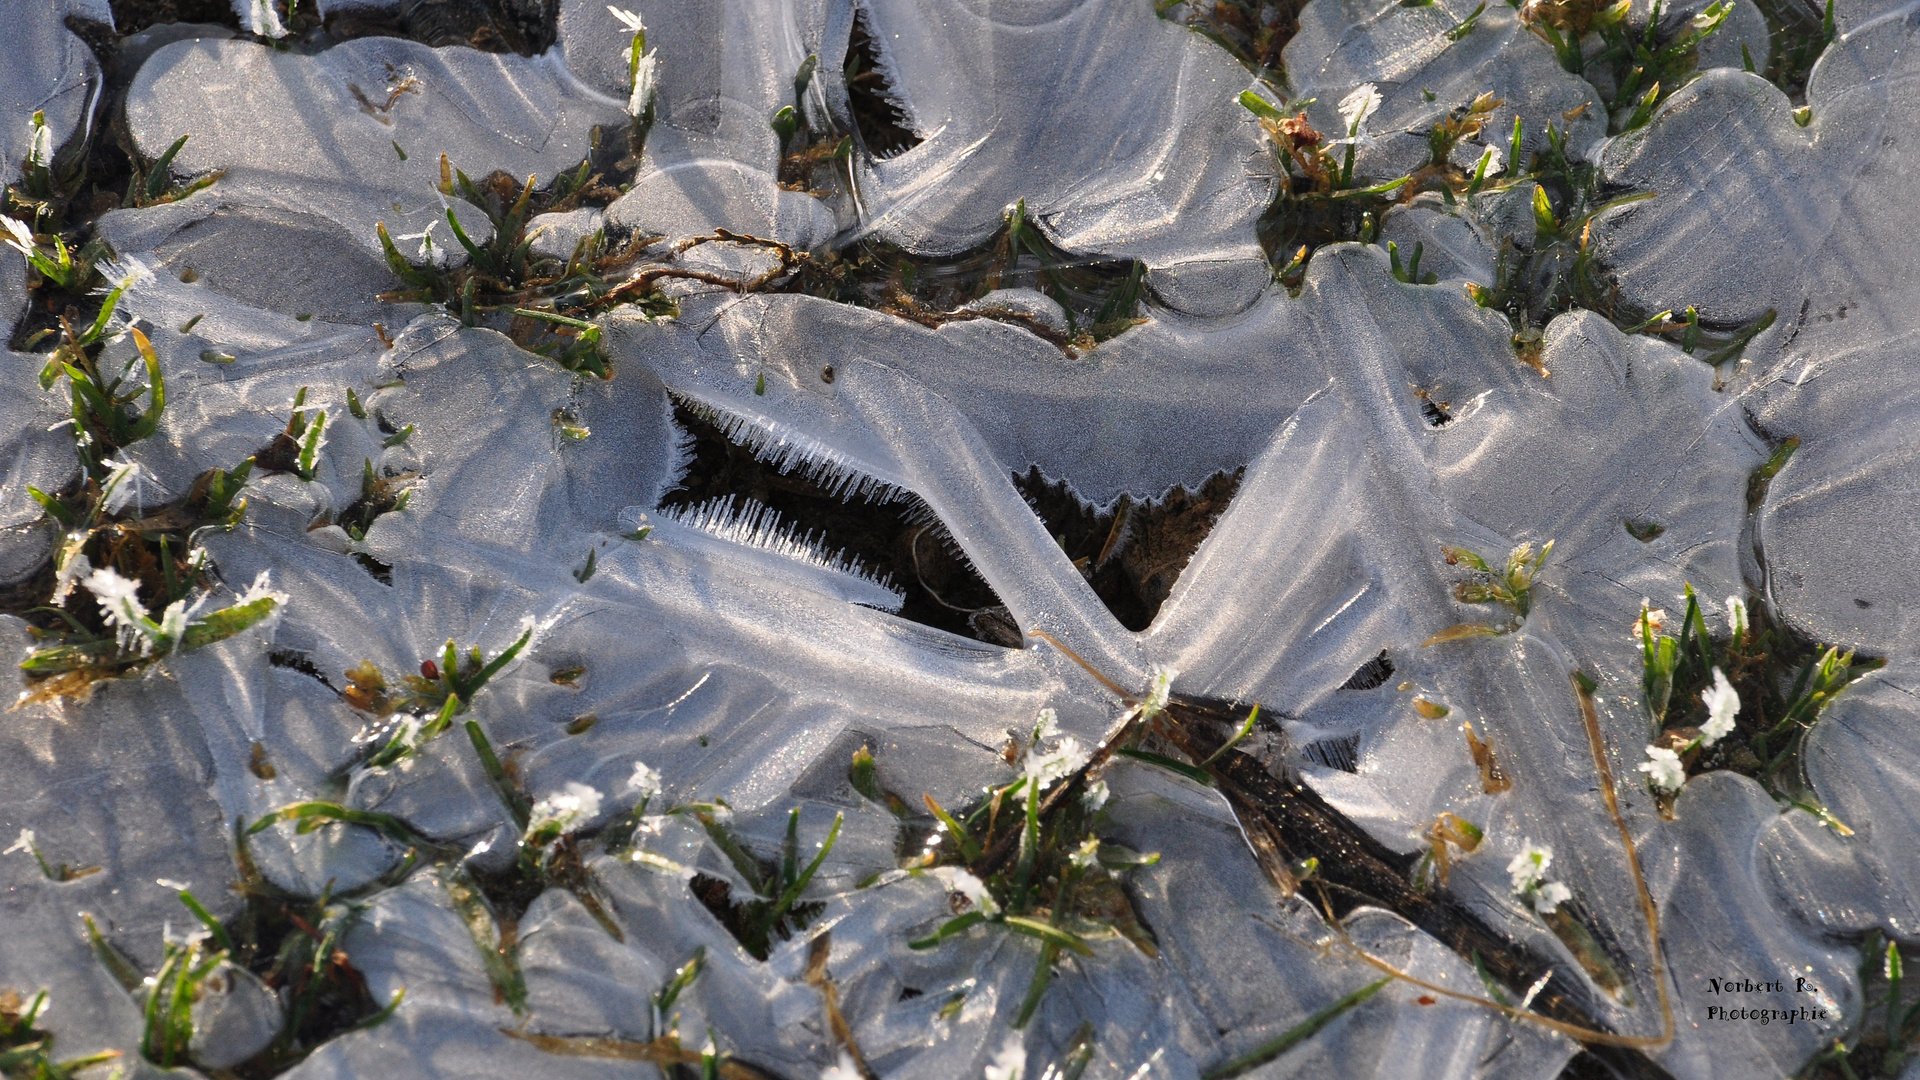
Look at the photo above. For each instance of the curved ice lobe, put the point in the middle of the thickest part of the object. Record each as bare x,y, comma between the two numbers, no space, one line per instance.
351,136
875,422
1625,439
656,691
515,453
222,273
35,451
1422,74
1862,760
725,67
119,782
1159,162
1813,219
1125,418
1719,922
1838,530
48,69
1331,551
1251,983
1735,183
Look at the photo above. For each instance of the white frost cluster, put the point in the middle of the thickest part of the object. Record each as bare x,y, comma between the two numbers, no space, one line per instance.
574,804
958,880
1723,702
645,782
1065,759
1529,873
262,19
644,66
19,236
1010,1061
40,142
1664,771
1356,108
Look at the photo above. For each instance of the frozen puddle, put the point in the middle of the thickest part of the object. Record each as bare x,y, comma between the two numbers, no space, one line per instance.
932,540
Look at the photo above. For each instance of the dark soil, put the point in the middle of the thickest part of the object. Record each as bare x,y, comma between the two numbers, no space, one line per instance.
881,122
522,26
1132,568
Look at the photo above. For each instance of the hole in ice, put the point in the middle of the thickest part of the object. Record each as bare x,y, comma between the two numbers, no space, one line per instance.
742,917
1341,753
527,27
523,26
1370,674
1645,531
132,16
300,662
1133,552
891,536
382,571
882,123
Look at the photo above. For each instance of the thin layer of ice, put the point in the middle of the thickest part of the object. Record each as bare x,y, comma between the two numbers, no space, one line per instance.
1161,164
1422,73
1805,213
329,145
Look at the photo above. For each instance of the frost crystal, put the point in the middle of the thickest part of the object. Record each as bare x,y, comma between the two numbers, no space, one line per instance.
1062,761
19,236
1723,702
1096,795
1548,898
262,19
646,74
1529,868
645,781
565,810
1046,725
1010,1060
40,147
842,1069
628,20
1159,690
123,484
1529,873
1357,107
966,884
1663,769
119,599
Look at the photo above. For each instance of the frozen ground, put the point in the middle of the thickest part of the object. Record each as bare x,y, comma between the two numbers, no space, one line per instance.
761,518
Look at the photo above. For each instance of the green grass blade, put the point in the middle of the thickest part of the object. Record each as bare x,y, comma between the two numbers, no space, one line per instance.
1245,729
1193,773
969,850
117,965
319,810
953,927
1047,932
213,925
516,803
788,898
1293,1036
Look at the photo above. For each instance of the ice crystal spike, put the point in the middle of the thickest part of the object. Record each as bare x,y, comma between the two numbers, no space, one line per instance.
743,521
